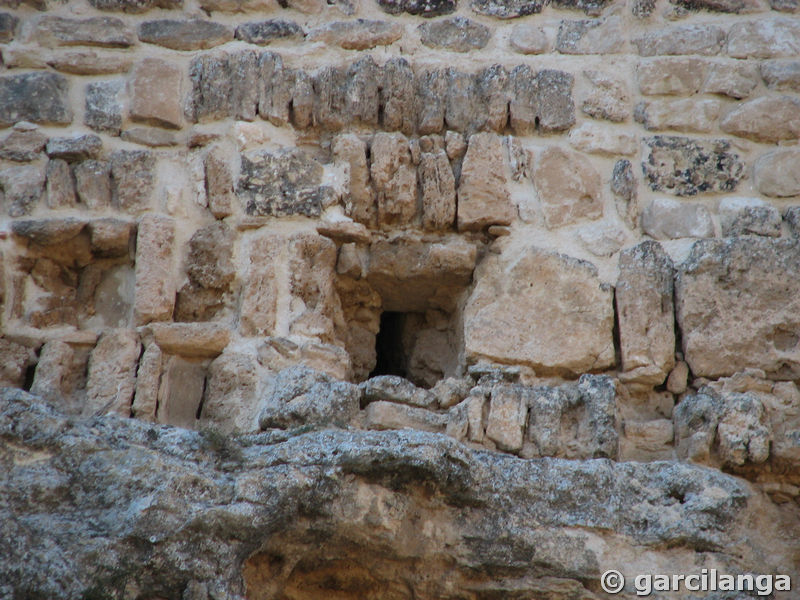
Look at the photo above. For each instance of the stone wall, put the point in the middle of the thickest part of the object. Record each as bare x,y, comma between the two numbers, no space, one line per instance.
552,229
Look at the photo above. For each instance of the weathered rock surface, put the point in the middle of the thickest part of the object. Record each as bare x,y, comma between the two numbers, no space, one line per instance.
777,173
596,36
686,115
264,32
608,99
508,9
23,144
424,8
682,39
111,378
529,39
667,218
781,74
685,166
724,331
96,31
391,388
483,198
512,287
22,187
104,106
360,34
458,34
36,97
645,314
194,34
748,216
671,75
765,119
765,38
155,286
256,495
568,186
155,90
541,101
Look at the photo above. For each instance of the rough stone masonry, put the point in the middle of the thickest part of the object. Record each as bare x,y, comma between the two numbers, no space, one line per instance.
462,299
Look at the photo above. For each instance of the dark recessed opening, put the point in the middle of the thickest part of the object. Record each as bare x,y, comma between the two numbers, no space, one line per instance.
390,355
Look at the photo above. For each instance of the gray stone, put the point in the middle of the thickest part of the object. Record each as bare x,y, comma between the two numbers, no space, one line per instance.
462,106
107,32
624,188
792,217
265,32
89,62
23,144
60,185
74,148
391,388
15,360
194,34
765,38
457,34
333,481
394,179
483,198
180,392
330,104
111,377
104,106
645,315
37,97
541,101
423,8
721,6
209,261
132,179
529,39
212,90
642,9
437,190
361,34
230,401
781,74
363,93
22,187
150,136
766,119
682,39
111,237
591,403
748,216
431,100
595,36
282,184
685,166
508,9
725,331
508,413
219,183
8,27
388,415
300,396
135,6
48,232
93,184
397,97
666,219
788,6
590,7
777,173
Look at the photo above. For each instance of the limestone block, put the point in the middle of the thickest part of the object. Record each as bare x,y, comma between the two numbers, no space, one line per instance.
39,97
684,166
104,106
391,388
239,6
60,186
438,190
463,109
686,115
608,98
600,139
541,101
54,370
748,216
412,276
22,187
725,331
265,32
230,402
602,238
678,379
424,8
209,262
132,179
723,6
351,152
212,90
505,9
394,179
181,392
569,187
592,36
48,231
546,310
361,34
508,413
302,396
93,183
483,197
74,148
148,381
156,93
388,415
649,440
155,281
330,98
219,183
192,34
765,119
260,291
781,74
765,38
89,62
112,373
682,39
645,313
135,6
14,360
573,420
777,173
671,75
734,80
110,32
8,27
430,100
451,391
23,144
397,97
624,188
191,340
529,39
666,219
362,90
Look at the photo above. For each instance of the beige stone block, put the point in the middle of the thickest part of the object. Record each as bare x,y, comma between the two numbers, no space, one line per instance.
219,183
394,179
765,38
155,278
155,89
148,381
483,197
529,39
350,151
608,97
180,392
508,412
14,357
569,187
260,292
602,139
230,403
686,115
112,373
53,372
766,119
206,340
777,173
388,415
666,219
733,80
668,75
542,309
438,189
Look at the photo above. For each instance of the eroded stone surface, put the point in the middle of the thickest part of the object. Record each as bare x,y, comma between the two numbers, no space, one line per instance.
194,34
777,173
568,186
457,34
483,198
667,218
37,97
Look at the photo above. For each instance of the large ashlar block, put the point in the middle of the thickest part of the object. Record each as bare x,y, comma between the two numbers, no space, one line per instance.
725,330
483,197
539,308
155,280
645,313
569,187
